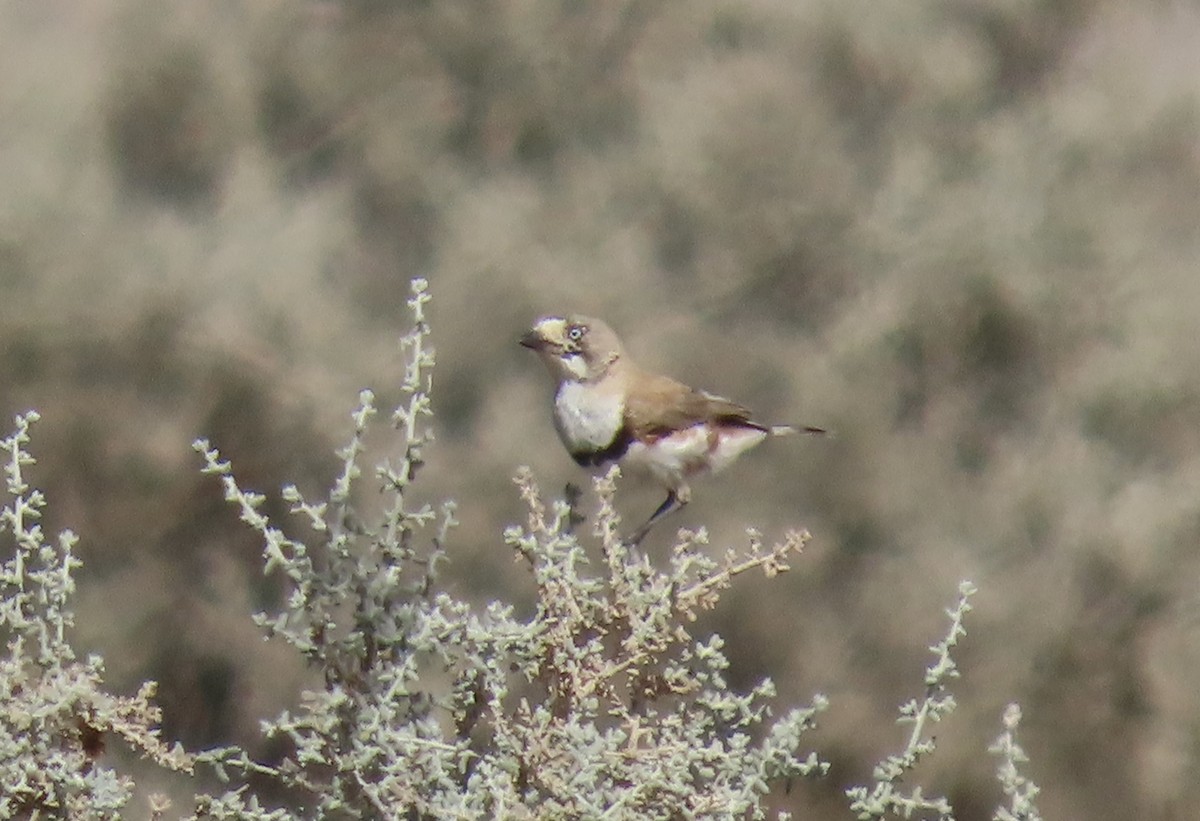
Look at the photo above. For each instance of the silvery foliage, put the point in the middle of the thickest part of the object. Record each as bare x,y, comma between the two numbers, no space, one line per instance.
55,716
1019,790
885,797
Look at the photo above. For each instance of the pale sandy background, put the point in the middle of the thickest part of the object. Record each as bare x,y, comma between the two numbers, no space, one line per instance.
964,234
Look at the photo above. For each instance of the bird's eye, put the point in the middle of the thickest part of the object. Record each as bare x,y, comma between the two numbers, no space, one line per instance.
576,332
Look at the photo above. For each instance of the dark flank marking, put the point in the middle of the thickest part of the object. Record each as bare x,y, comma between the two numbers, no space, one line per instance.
736,422
611,452
739,422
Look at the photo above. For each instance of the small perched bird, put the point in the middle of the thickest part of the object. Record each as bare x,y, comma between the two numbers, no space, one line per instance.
607,409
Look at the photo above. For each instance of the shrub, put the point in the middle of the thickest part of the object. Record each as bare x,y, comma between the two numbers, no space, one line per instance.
602,702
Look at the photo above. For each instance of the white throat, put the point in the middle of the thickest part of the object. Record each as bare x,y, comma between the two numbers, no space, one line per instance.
576,366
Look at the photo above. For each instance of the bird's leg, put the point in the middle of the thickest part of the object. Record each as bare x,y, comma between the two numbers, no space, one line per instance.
666,507
572,493
676,499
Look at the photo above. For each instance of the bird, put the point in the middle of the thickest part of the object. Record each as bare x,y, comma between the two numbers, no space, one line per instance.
609,409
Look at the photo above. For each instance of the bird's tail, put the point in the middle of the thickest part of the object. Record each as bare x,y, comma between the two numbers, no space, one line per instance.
787,430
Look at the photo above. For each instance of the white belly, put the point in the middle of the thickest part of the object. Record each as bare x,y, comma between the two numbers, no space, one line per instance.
587,419
696,450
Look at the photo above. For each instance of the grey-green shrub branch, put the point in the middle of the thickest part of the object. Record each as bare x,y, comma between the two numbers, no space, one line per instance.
625,677
55,716
884,796
601,703
1019,789
364,616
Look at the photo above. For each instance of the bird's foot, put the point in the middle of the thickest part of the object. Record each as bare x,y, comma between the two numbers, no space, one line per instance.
573,494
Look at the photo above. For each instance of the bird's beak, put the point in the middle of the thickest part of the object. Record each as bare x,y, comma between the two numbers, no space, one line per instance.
533,340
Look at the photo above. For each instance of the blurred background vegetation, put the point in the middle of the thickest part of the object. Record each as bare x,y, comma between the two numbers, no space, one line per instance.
963,235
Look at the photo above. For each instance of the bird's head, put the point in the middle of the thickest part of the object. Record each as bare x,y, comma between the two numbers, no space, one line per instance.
574,348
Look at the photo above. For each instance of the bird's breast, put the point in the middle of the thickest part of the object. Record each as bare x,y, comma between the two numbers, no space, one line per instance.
588,419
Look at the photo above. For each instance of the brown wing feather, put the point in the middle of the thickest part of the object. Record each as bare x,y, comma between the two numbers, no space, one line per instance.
661,405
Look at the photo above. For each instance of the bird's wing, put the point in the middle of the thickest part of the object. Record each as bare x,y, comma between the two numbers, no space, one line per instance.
660,405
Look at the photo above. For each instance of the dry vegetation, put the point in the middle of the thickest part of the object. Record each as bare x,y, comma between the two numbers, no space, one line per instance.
962,235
